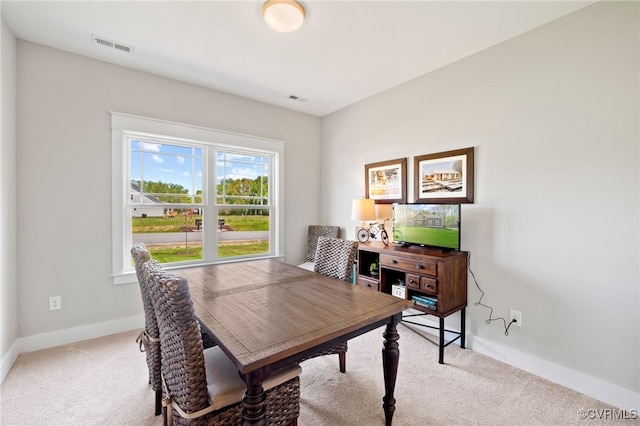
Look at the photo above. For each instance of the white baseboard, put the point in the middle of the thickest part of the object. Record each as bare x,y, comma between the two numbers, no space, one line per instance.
609,393
66,336
9,359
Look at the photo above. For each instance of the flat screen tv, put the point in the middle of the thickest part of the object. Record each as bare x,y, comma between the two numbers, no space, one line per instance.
427,225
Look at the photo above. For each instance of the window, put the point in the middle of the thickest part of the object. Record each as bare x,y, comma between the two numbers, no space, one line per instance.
192,195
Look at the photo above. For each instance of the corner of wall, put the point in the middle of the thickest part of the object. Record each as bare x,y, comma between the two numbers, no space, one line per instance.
8,198
8,359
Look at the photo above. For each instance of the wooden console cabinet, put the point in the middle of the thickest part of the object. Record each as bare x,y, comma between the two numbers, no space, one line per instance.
413,271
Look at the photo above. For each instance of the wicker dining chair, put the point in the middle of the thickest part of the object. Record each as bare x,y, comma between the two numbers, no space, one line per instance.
204,387
335,258
313,233
149,338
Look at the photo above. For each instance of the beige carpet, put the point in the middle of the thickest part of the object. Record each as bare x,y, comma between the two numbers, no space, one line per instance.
104,382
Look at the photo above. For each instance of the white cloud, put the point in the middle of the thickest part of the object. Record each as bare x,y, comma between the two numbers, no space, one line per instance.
186,174
157,159
165,170
239,173
180,160
151,147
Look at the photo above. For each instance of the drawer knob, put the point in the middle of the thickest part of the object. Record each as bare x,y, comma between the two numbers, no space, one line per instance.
394,261
419,267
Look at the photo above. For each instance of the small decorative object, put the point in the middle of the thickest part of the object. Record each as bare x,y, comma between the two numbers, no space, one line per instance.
398,291
373,269
363,234
386,182
371,231
445,177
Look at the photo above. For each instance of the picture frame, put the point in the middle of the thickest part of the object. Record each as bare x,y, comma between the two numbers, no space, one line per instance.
444,177
386,181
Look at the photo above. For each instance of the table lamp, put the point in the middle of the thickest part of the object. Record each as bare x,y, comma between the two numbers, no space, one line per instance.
363,209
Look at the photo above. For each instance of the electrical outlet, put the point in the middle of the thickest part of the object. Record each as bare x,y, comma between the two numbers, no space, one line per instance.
516,315
55,303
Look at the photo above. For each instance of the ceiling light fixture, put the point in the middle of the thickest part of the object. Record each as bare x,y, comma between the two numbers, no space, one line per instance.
284,16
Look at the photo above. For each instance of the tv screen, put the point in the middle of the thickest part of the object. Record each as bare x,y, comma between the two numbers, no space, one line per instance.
428,225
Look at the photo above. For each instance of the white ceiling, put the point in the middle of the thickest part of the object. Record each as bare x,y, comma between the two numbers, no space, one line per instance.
345,51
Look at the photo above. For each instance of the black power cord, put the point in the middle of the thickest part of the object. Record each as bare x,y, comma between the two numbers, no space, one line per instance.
479,303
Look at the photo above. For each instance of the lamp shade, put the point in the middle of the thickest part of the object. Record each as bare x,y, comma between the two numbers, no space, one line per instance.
363,209
284,16
384,211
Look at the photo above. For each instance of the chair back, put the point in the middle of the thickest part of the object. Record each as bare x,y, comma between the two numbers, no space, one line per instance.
151,334
316,231
335,257
141,255
183,367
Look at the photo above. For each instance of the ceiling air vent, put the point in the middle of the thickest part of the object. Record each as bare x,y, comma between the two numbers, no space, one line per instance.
112,44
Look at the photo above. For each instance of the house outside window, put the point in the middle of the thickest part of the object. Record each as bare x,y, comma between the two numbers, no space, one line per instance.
192,195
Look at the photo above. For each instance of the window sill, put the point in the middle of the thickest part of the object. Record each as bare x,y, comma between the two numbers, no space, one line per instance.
130,277
124,278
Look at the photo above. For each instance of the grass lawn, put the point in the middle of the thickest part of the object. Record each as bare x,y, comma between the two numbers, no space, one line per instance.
434,236
174,224
176,253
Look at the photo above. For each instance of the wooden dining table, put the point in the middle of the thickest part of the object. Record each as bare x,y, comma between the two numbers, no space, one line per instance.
266,315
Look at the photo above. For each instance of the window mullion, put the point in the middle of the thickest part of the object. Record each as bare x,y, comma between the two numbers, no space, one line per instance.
210,214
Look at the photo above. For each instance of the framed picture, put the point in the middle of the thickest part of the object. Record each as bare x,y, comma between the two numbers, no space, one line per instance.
445,177
386,182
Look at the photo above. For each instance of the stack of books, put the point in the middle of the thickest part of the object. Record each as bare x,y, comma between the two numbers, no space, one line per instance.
425,301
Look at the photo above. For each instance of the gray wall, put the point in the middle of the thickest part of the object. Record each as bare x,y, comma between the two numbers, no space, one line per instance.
8,242
553,116
64,176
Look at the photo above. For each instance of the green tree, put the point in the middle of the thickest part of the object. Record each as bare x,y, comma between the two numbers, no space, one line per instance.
164,191
244,191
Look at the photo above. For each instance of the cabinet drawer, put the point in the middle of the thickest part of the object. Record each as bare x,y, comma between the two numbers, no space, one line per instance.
364,282
409,265
413,281
429,285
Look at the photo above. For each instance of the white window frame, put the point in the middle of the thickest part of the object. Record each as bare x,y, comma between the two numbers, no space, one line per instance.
124,125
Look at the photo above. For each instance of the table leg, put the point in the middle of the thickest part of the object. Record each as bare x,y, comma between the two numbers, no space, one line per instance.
254,402
390,358
462,328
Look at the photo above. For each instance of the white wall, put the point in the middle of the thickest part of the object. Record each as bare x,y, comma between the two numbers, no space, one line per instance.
553,116
8,242
64,180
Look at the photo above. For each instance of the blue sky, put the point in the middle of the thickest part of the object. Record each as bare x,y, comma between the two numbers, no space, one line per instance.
167,163
183,165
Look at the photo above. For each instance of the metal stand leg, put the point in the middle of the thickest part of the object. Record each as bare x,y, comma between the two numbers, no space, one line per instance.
441,346
442,343
462,327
